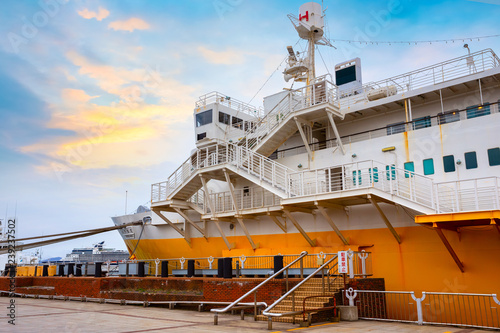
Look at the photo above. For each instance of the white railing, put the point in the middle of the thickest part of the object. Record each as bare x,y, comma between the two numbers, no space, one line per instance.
220,154
246,198
320,92
456,309
468,195
361,175
476,62
217,97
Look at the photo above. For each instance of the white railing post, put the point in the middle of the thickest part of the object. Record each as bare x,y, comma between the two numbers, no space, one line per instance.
363,257
350,255
420,316
351,295
316,178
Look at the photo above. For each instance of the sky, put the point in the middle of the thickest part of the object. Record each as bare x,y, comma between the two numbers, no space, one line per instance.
97,96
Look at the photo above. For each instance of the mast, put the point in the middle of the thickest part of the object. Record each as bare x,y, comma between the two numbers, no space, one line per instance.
310,27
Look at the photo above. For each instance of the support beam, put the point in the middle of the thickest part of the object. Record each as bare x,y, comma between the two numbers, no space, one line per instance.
302,134
329,205
336,132
298,209
450,249
278,223
230,246
176,228
332,224
235,204
385,219
311,242
207,196
181,213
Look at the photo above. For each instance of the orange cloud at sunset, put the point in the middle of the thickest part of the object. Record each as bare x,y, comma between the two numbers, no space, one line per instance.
130,25
99,15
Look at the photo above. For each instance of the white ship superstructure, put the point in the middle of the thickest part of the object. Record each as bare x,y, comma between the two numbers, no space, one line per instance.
407,167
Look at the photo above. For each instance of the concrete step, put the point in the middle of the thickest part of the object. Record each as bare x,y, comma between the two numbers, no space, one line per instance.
298,319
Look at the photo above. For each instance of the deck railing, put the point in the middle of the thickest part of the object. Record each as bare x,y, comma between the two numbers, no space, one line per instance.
473,63
217,97
455,309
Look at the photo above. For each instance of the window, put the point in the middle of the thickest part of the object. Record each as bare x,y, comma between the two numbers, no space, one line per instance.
249,125
470,160
428,166
409,169
358,172
204,118
494,156
375,175
448,117
345,75
449,163
396,128
422,122
237,123
478,111
201,136
392,173
224,118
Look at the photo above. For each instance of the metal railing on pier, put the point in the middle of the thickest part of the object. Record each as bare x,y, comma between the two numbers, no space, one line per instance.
454,309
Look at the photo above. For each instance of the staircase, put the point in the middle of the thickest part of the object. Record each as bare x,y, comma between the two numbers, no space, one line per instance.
313,287
185,181
278,124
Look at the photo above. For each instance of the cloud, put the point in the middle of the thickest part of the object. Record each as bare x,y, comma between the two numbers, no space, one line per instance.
131,24
75,96
228,57
109,78
99,16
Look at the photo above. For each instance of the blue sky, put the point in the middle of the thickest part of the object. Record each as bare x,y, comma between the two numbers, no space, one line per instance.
97,96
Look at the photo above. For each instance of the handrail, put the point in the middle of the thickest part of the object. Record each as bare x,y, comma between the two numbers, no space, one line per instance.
269,314
254,290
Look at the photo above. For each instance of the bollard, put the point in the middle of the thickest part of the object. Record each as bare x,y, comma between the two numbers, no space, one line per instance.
78,270
140,269
278,264
60,271
228,268
45,270
220,268
190,270
71,269
98,270
237,269
164,268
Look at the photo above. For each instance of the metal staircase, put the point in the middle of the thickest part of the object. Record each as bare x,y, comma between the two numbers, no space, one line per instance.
279,124
211,161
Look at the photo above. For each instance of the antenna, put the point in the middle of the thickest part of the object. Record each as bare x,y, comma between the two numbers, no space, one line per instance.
126,197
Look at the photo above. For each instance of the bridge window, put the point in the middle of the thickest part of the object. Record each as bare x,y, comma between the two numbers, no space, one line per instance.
204,118
392,173
470,160
428,166
494,156
224,118
375,175
448,117
449,163
409,169
201,136
422,122
478,110
358,173
237,123
395,128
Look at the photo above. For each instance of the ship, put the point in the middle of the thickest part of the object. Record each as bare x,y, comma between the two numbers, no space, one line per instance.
406,168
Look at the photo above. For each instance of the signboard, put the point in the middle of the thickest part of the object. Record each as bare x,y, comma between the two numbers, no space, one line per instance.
342,262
